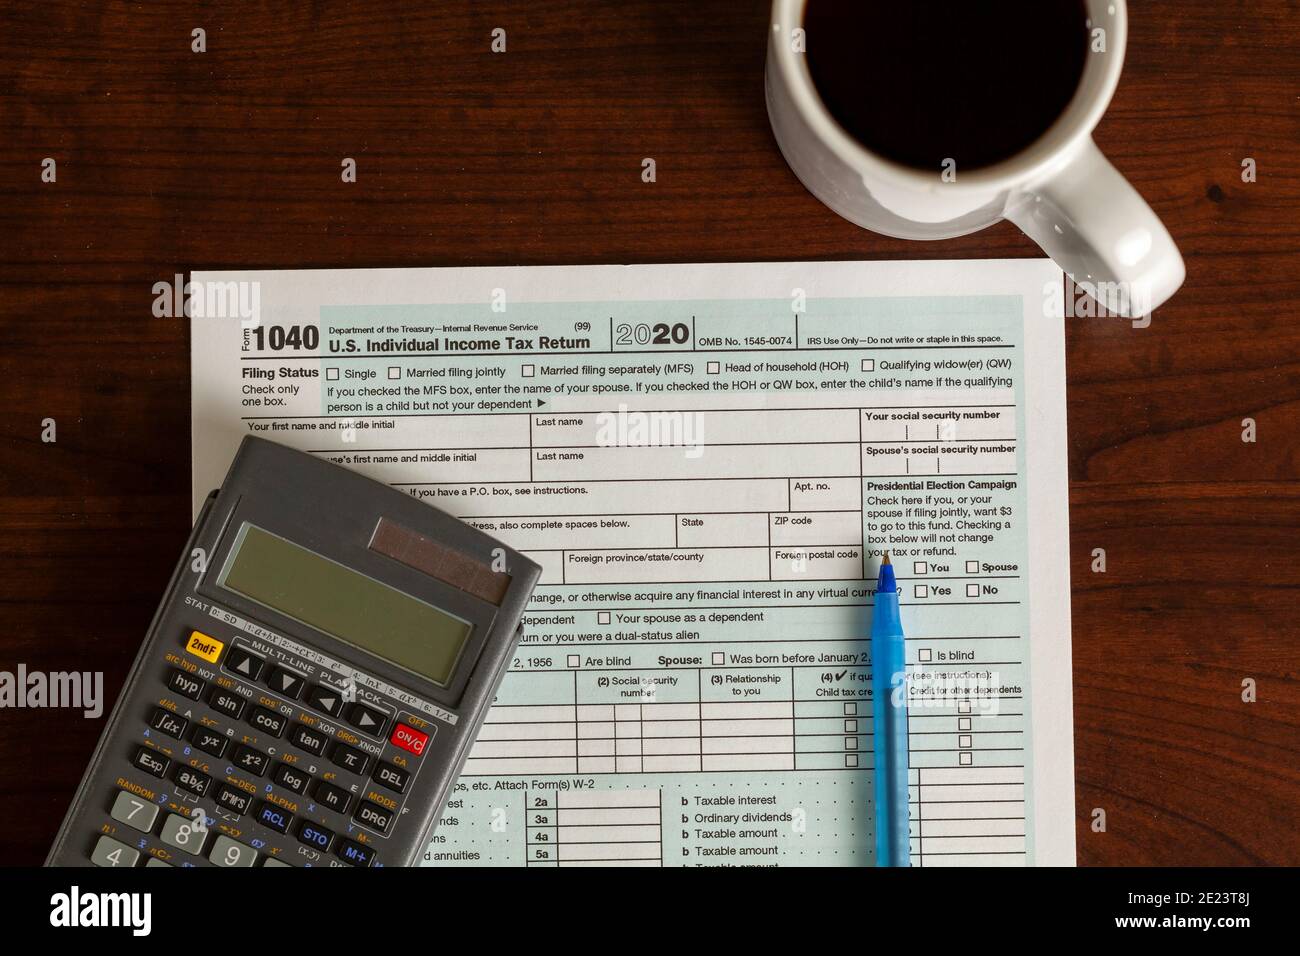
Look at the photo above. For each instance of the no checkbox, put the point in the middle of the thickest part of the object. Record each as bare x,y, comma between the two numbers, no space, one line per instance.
972,590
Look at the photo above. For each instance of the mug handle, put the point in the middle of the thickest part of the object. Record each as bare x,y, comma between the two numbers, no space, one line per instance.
1089,219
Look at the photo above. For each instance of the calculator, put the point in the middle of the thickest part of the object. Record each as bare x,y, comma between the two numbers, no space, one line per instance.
311,683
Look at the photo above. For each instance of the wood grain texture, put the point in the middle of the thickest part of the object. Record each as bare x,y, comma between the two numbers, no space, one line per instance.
170,161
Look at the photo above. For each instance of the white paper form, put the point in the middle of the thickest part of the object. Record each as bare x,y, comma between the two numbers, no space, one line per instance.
708,461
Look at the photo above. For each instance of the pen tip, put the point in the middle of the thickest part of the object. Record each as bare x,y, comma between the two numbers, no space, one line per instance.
885,559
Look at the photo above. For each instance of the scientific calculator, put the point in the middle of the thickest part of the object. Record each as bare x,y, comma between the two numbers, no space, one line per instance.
311,683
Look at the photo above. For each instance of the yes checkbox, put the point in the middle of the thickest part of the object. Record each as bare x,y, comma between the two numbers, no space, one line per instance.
921,591
331,375
972,590
394,372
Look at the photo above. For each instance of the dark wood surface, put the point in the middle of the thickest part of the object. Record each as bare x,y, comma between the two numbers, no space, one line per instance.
170,161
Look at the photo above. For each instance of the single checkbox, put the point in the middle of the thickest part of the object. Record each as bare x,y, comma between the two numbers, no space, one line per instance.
920,567
574,660
963,740
923,654
850,726
921,591
714,368
972,590
850,743
963,723
719,658
394,372
331,375
602,617
850,710
868,365
850,760
527,371
963,707
972,567
964,759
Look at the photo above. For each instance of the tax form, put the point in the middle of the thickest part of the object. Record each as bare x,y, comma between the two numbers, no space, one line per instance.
708,461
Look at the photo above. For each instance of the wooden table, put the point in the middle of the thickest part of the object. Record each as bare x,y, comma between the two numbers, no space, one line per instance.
170,160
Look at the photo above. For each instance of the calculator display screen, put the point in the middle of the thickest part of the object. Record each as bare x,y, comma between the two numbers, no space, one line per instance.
344,603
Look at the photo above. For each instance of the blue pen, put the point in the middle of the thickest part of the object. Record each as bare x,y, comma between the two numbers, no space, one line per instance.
889,723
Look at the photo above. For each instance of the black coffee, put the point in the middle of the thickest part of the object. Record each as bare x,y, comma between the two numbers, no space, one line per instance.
922,81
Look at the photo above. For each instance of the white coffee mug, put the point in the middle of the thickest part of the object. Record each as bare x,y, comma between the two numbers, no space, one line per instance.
1061,190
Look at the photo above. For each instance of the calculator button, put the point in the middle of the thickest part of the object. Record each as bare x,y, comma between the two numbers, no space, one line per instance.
233,799
165,722
331,797
268,720
304,738
134,812
391,776
291,778
277,818
232,705
366,719
185,684
408,738
373,815
150,761
286,683
354,853
226,852
272,861
254,761
209,741
315,835
240,662
109,852
154,861
350,758
182,833
201,645
327,699
193,781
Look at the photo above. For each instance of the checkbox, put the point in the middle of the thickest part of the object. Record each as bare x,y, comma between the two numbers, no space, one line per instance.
972,567
921,591
602,617
850,726
850,710
331,375
574,660
714,368
963,723
963,707
963,740
527,371
972,590
719,658
964,759
850,743
394,371
923,654
920,567
850,760
868,365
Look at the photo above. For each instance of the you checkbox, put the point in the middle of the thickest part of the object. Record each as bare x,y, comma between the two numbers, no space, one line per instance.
920,567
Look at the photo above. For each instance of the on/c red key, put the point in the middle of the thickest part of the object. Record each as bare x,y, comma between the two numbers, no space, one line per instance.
408,738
